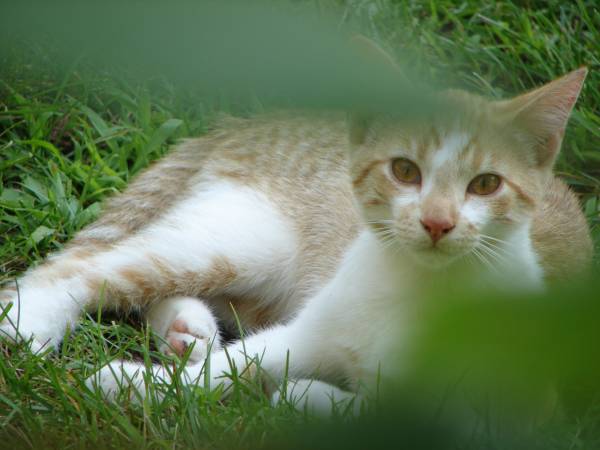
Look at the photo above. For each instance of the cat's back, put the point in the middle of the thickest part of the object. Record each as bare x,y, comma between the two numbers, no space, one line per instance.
560,233
300,162
275,150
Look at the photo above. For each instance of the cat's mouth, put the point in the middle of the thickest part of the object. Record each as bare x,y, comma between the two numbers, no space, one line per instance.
439,255
424,252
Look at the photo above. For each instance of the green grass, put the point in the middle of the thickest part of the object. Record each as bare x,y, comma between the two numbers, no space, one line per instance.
71,136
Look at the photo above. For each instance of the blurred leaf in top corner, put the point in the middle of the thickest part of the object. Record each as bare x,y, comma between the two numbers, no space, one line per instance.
289,55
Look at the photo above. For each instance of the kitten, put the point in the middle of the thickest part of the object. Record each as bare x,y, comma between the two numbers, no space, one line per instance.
303,221
476,187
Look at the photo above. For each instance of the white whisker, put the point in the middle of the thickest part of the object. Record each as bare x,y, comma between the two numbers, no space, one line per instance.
501,249
496,248
498,257
483,259
380,221
494,239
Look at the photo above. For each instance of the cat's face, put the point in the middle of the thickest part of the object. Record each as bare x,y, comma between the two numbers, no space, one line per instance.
459,185
443,194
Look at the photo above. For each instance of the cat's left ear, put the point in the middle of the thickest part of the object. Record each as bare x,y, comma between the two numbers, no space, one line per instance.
542,114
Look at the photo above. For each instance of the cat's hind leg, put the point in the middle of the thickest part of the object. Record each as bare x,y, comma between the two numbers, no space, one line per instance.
224,237
181,322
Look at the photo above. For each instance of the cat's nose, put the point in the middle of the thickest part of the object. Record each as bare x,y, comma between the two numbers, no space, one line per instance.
437,228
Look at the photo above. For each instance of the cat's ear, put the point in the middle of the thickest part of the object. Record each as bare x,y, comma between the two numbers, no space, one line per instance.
372,54
378,60
541,115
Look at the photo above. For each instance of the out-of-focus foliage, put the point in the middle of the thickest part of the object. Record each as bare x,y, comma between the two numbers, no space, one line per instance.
248,49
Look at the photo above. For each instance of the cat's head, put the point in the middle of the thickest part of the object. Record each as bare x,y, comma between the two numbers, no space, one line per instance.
463,180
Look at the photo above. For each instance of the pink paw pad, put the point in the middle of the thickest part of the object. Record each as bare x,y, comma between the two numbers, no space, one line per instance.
180,326
179,338
179,346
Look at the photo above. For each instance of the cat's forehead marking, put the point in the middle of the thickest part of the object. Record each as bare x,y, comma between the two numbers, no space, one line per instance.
450,149
444,160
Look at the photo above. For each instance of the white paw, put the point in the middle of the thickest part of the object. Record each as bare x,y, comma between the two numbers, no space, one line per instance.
185,332
126,377
136,381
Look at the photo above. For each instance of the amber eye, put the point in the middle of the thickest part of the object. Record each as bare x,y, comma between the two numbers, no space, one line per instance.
484,184
406,171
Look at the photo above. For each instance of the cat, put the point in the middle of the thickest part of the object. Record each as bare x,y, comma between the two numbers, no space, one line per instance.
473,186
307,226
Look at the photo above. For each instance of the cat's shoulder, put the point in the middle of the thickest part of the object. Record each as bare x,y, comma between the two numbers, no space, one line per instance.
560,233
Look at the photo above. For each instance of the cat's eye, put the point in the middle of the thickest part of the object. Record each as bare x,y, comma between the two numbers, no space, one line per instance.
406,171
484,184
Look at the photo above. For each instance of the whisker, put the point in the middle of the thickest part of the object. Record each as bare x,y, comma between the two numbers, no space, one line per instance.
470,259
492,253
386,235
483,259
383,229
389,241
501,251
495,239
380,221
494,243
496,247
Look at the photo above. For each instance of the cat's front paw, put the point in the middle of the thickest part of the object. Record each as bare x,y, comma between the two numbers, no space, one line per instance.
136,381
200,333
128,377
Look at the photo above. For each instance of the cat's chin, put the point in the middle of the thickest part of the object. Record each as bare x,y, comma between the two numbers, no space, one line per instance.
433,258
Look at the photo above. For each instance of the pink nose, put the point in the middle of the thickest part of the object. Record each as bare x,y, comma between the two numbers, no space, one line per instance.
437,228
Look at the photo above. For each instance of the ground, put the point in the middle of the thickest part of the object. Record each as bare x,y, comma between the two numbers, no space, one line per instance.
71,136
